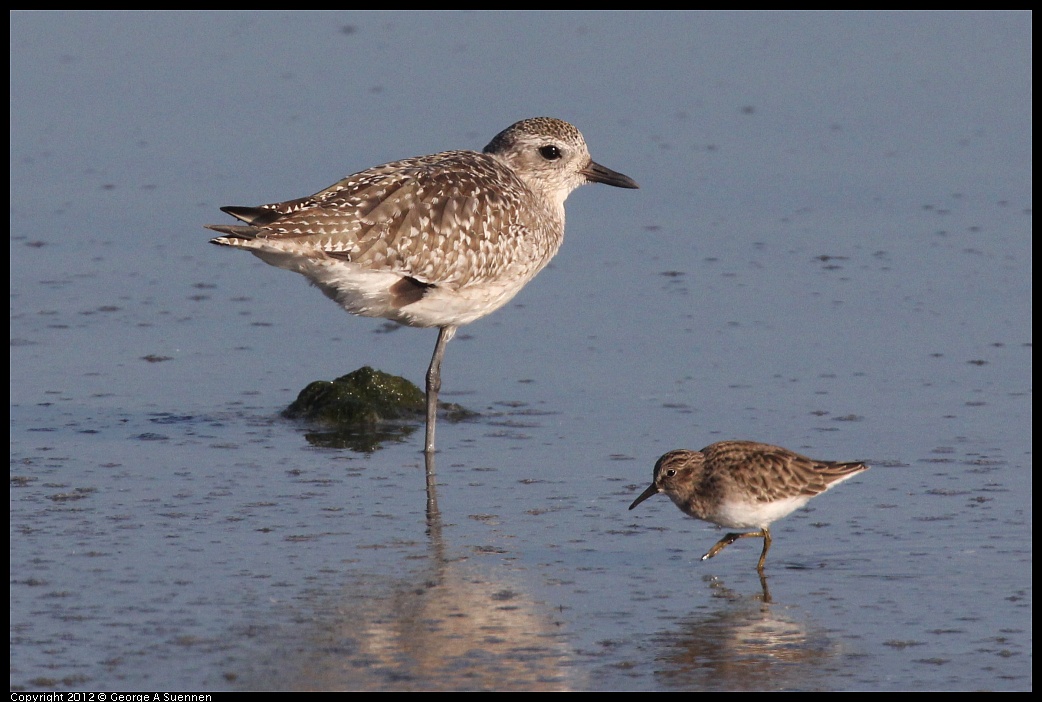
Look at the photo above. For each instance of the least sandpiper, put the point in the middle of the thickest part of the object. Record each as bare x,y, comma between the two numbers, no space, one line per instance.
743,485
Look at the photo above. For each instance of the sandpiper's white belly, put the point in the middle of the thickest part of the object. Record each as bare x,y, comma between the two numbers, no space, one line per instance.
740,514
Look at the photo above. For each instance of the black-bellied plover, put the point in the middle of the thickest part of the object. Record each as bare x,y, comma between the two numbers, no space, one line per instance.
743,485
432,241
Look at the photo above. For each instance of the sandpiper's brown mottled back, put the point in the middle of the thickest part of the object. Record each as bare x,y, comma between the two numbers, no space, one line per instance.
432,241
743,485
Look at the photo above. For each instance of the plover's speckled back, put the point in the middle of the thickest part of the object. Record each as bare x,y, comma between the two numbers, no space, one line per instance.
432,241
743,485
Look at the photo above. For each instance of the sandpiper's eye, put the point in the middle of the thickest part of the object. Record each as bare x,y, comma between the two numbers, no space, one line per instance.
550,153
670,472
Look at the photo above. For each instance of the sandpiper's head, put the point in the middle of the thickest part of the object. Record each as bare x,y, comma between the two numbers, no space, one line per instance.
670,471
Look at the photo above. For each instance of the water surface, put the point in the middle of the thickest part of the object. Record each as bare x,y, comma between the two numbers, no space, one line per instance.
831,250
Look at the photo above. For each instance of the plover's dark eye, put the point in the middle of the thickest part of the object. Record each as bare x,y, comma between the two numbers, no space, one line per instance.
550,153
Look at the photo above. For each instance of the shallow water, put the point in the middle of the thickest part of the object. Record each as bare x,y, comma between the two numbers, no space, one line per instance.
831,251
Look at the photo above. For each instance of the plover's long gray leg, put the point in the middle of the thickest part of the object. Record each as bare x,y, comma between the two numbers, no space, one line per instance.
434,384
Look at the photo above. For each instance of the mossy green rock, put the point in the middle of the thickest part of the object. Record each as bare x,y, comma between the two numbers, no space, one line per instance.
365,397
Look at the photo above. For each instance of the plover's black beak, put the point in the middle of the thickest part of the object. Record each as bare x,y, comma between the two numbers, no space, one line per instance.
652,490
596,173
